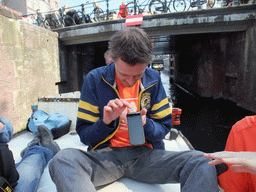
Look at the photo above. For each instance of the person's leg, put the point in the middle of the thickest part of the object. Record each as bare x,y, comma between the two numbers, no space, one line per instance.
43,138
189,168
31,168
76,170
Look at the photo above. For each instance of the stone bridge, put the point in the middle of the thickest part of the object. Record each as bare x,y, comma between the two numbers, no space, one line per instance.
226,19
214,50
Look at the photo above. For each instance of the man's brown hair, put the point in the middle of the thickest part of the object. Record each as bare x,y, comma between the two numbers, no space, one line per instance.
132,45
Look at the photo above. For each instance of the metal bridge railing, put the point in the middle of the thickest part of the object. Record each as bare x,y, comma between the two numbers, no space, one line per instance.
91,12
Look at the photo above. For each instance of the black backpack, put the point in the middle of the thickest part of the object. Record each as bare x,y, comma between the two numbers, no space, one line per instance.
5,186
7,168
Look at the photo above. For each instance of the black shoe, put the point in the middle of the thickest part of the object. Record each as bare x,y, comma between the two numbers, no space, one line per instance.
35,141
221,168
47,139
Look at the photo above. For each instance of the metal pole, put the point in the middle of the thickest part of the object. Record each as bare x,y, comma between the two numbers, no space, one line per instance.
83,16
165,6
199,4
107,9
135,11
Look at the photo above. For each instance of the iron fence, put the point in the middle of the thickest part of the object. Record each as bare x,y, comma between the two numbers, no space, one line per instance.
100,11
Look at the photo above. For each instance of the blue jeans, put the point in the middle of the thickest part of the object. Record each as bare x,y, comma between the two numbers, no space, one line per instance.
31,168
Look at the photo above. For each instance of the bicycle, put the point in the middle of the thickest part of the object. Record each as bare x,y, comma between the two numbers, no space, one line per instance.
83,18
178,5
87,18
227,3
98,13
198,3
156,6
185,5
64,18
51,21
68,16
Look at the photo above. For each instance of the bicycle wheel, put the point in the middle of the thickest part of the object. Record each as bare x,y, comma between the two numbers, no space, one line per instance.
194,3
156,7
99,14
179,5
131,9
189,4
46,24
50,22
68,20
83,18
53,24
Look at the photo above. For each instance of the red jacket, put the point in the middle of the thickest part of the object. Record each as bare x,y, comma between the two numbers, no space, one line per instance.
242,137
122,11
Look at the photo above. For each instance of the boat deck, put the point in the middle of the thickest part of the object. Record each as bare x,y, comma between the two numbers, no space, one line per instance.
123,185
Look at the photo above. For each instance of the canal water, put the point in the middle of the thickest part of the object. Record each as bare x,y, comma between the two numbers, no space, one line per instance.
205,122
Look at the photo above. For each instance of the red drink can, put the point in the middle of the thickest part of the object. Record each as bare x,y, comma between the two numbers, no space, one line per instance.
176,112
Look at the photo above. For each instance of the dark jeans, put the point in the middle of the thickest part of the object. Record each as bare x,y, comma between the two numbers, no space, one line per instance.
77,170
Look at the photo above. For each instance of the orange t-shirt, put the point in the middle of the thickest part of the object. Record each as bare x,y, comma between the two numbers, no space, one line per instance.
130,94
241,138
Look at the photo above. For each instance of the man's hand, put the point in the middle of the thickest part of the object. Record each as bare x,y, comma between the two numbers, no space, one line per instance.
240,161
114,109
143,113
1,125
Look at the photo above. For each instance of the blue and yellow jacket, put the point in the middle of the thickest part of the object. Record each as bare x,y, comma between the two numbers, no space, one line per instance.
100,87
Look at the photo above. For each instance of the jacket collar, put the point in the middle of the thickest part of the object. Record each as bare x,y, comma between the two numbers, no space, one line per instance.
109,73
149,77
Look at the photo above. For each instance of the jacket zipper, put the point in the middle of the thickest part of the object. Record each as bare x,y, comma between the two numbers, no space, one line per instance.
112,135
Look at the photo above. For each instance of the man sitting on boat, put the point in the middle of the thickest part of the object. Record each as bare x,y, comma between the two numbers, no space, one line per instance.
108,94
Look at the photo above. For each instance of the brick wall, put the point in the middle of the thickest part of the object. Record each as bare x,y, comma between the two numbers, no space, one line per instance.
29,67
